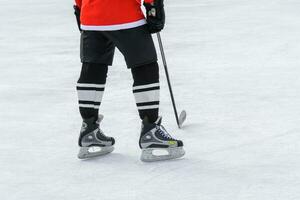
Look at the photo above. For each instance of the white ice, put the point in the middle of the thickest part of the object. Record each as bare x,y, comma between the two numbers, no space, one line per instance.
234,66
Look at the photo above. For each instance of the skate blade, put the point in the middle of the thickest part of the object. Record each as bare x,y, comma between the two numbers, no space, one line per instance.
90,152
173,153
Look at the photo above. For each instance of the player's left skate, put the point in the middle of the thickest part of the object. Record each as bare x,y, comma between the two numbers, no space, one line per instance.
157,144
92,140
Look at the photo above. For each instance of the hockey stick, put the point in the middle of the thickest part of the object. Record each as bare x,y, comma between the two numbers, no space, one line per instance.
182,115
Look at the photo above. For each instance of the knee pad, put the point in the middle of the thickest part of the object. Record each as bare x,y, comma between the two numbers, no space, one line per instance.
145,74
93,73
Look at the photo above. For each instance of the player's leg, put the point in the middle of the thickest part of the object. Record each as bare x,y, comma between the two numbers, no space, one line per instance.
96,55
146,90
153,135
90,88
139,51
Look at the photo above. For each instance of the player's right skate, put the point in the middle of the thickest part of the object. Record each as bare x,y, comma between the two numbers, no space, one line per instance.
154,137
92,140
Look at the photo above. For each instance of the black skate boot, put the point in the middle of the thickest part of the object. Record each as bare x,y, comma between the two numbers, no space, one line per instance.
92,140
155,137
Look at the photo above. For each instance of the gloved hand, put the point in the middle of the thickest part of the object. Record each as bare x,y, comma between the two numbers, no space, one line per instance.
77,14
155,14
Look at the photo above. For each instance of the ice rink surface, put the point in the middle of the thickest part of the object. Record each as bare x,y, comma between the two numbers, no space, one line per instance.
234,66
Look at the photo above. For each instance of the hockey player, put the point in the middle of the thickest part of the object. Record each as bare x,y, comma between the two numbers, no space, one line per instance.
105,25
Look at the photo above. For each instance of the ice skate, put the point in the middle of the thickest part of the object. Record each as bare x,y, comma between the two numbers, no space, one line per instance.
157,144
92,140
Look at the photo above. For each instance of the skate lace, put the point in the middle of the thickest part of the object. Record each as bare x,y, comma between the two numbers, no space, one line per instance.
102,133
162,131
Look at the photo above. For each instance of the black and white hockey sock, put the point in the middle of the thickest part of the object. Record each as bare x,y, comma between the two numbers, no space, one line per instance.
146,90
90,89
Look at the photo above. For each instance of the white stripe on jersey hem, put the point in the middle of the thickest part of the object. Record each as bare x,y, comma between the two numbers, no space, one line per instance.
114,27
90,85
148,107
88,106
145,86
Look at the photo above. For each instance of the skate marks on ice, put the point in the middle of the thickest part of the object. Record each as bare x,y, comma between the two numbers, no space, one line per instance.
254,142
113,158
258,170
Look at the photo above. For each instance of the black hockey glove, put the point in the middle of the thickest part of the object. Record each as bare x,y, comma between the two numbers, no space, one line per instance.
155,13
77,14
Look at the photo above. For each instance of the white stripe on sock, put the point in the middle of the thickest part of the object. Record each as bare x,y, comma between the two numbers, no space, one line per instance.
148,107
90,95
145,86
89,106
148,96
90,85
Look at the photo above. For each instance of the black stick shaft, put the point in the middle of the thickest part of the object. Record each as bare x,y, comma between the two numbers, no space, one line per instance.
167,75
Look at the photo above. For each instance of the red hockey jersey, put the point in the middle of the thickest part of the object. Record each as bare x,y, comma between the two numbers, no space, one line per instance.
110,14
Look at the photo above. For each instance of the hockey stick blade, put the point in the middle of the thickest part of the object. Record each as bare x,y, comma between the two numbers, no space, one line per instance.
181,118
